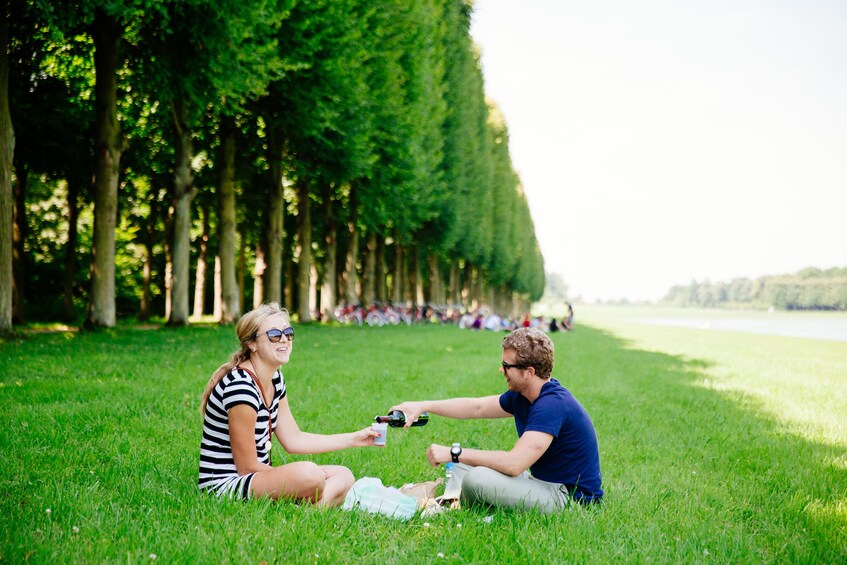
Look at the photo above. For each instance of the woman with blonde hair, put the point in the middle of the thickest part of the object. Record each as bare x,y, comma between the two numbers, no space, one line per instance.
245,405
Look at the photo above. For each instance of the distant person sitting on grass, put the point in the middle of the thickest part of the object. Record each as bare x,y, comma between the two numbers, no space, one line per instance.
556,439
245,403
477,323
567,321
466,321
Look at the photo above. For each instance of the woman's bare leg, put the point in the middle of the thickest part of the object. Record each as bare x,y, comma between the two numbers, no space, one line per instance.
338,481
325,485
302,480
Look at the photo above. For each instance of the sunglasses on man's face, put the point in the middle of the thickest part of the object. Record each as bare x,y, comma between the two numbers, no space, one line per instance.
274,335
507,366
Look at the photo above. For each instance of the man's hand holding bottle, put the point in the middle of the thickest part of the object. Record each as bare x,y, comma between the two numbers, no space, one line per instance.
412,413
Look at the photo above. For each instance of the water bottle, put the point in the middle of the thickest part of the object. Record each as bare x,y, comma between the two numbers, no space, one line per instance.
451,489
397,419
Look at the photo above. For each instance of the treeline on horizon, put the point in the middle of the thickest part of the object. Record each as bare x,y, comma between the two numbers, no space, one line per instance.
178,159
808,289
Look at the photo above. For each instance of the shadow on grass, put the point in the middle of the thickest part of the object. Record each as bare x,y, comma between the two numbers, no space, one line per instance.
704,464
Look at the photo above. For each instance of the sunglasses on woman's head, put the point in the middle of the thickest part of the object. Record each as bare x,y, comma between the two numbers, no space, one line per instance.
274,335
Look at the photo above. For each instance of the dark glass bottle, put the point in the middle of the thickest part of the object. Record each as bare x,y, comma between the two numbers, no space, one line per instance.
397,419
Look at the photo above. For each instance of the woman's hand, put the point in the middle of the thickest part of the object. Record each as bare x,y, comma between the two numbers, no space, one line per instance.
364,437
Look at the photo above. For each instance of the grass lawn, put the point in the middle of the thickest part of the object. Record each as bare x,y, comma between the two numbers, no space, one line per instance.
714,447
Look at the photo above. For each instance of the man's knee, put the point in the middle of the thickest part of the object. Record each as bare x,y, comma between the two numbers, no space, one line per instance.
477,483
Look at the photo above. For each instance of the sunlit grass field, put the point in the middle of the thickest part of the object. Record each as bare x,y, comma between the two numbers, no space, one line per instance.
715,447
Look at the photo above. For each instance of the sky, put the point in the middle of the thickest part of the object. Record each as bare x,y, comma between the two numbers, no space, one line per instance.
665,141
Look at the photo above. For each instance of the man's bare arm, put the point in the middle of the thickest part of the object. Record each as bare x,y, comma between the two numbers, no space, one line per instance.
459,408
528,449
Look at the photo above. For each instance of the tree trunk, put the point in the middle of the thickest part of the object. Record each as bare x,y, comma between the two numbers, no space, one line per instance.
183,194
18,254
329,289
69,273
381,295
436,295
304,257
200,272
241,276
313,289
399,276
455,290
369,271
416,272
7,153
350,275
227,295
169,262
147,278
482,289
476,294
107,34
274,222
407,276
289,289
216,303
149,235
466,288
259,277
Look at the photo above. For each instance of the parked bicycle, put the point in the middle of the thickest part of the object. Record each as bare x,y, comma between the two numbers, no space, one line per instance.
350,314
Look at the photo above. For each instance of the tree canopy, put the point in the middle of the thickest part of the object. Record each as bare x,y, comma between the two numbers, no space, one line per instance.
809,289
307,152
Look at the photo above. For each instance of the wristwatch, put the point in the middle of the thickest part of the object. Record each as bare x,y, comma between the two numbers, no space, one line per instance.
455,451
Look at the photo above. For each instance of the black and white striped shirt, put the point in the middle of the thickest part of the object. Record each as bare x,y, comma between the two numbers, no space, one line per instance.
217,466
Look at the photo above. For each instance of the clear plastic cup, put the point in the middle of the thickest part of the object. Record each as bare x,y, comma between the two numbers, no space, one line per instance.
382,429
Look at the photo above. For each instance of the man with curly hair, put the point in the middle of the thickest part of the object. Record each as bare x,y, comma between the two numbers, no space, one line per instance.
555,460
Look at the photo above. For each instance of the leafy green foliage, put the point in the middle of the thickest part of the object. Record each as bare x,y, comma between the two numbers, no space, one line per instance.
809,289
375,107
319,102
209,51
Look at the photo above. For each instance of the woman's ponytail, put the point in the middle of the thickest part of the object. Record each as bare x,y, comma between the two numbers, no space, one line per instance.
234,361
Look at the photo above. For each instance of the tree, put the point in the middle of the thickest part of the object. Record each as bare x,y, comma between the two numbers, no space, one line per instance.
319,108
503,260
106,23
341,121
106,31
7,151
406,91
462,223
51,80
230,306
197,54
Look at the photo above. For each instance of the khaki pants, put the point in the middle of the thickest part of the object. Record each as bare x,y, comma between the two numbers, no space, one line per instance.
482,485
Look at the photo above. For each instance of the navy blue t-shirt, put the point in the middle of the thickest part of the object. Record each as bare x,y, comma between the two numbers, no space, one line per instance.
573,458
